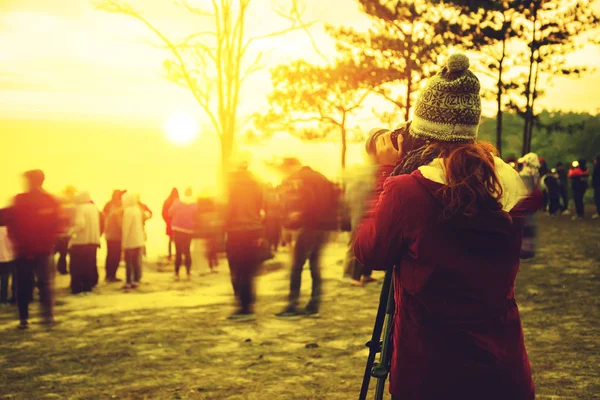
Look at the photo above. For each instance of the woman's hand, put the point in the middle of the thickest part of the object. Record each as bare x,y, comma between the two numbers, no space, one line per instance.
385,152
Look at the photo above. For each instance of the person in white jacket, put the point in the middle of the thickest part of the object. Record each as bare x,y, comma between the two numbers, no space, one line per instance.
84,245
133,239
7,263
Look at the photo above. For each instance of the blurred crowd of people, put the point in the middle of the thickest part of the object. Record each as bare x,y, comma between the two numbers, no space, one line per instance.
43,234
39,227
251,226
558,183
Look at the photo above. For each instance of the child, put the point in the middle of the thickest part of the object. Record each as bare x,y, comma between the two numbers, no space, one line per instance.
133,240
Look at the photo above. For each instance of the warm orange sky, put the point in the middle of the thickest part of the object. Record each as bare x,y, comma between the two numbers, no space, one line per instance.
62,58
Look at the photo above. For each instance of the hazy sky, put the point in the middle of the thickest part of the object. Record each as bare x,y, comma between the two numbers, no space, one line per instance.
63,58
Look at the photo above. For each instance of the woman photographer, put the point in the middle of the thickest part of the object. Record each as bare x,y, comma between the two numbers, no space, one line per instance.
451,224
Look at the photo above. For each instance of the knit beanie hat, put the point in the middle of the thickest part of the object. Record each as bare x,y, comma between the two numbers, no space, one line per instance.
449,108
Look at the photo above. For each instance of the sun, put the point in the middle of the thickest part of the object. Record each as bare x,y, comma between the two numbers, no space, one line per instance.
181,128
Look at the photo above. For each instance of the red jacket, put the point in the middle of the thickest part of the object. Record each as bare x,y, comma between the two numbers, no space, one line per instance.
34,224
457,331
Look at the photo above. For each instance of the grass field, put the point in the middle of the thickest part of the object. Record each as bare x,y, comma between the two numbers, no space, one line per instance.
171,340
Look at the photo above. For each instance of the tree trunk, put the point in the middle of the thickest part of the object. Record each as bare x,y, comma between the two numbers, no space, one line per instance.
528,92
344,143
226,160
408,93
533,98
499,99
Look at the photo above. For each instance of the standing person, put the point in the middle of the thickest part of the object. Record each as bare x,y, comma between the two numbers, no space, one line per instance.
147,215
312,207
244,229
551,183
67,210
84,245
273,212
368,187
7,262
208,227
133,240
33,227
564,187
168,219
530,173
451,225
184,214
543,171
113,221
579,175
596,186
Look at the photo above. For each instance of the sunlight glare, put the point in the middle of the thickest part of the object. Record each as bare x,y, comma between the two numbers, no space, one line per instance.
181,128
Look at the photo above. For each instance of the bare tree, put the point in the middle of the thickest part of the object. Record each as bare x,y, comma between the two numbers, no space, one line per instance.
213,63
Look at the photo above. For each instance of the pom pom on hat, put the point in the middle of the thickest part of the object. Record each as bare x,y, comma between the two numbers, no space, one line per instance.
458,63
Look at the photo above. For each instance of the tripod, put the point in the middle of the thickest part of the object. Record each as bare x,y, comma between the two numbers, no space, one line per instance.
385,316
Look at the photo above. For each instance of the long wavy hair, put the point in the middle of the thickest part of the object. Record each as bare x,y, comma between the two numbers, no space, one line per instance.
472,184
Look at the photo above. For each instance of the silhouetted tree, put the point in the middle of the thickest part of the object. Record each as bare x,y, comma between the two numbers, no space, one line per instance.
553,27
406,40
306,95
495,23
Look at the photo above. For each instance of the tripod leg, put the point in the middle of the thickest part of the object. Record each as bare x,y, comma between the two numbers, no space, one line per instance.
374,344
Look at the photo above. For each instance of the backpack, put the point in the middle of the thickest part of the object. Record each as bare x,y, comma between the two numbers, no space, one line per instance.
315,205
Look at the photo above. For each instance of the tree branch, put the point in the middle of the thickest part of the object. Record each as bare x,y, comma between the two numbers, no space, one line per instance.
295,16
383,94
114,6
194,10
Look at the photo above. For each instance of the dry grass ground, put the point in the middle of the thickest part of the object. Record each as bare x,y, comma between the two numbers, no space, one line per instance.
172,340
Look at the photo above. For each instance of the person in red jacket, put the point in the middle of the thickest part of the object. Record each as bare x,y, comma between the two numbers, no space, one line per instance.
579,175
33,227
451,224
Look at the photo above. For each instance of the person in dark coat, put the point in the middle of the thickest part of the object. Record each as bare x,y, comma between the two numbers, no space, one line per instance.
551,183
168,219
113,222
579,175
245,236
314,217
453,234
596,186
33,227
